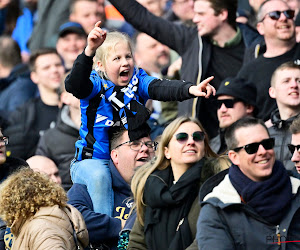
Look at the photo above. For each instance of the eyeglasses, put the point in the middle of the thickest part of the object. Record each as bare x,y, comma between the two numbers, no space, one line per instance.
275,15
252,148
137,145
197,136
292,148
229,103
4,139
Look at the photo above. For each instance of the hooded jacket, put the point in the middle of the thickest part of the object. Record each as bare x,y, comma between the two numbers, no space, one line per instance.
227,223
50,228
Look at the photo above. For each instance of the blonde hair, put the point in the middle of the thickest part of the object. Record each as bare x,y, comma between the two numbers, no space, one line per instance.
24,192
102,53
160,162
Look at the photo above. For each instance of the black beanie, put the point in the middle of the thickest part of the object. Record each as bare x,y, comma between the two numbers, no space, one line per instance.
238,88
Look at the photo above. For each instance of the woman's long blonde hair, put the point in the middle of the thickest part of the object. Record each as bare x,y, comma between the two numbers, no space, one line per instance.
24,192
160,162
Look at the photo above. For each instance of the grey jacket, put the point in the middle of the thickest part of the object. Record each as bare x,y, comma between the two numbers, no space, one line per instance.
227,223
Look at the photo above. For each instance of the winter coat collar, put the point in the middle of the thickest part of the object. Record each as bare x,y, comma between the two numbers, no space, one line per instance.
226,194
278,123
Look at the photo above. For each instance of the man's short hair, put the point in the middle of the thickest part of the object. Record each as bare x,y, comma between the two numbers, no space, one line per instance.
115,137
295,126
40,52
286,65
229,5
10,53
230,138
260,13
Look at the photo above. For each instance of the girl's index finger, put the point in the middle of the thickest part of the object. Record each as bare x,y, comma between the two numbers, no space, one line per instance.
207,80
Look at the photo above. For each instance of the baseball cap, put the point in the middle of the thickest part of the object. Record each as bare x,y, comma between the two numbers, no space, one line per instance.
71,27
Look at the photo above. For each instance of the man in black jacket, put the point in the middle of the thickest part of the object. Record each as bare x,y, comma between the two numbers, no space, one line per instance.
235,100
29,122
215,47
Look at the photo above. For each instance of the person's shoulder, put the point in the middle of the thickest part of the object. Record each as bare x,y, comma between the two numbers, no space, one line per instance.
211,182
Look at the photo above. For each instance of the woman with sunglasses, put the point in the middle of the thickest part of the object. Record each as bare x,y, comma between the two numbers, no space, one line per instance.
166,189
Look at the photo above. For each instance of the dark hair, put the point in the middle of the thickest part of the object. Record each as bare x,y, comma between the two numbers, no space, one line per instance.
40,52
230,138
295,126
13,11
115,136
229,5
10,53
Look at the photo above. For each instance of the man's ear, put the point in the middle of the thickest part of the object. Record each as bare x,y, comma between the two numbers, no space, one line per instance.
234,157
223,14
114,157
249,109
272,92
260,28
34,77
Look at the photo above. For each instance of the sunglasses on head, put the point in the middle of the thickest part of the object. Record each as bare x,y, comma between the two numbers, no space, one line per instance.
229,103
252,148
197,136
292,148
275,15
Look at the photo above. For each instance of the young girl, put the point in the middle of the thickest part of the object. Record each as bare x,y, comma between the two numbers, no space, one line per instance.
114,97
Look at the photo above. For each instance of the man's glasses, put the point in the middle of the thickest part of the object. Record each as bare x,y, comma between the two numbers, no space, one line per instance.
137,145
275,15
197,136
229,103
252,148
4,140
292,148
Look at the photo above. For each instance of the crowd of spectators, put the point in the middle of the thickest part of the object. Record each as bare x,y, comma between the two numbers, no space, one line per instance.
248,130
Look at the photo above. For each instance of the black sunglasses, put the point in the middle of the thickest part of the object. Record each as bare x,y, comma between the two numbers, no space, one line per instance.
197,136
292,148
253,147
229,103
275,15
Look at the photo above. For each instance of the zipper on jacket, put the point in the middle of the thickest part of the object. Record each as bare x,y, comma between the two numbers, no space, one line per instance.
179,224
278,234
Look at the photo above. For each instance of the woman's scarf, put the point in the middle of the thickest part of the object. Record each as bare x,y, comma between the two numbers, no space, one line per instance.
168,206
269,198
